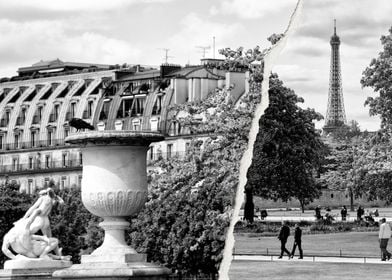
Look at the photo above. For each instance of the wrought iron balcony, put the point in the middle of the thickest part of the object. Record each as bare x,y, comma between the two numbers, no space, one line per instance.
33,144
40,166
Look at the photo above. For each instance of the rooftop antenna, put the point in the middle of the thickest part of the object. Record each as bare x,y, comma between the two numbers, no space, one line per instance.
334,26
213,46
204,49
167,56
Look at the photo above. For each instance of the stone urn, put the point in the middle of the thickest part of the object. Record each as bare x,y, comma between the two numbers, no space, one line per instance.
114,186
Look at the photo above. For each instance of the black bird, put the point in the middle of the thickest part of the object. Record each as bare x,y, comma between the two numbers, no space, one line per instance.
80,124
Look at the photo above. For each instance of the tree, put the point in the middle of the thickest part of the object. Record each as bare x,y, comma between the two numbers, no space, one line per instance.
13,206
184,222
69,222
288,150
377,76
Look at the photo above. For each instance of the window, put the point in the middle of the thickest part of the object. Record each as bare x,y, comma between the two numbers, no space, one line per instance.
30,162
80,159
46,182
105,110
80,181
50,138
90,108
16,141
64,160
7,117
33,138
1,142
15,164
63,182
138,107
156,110
73,110
125,108
47,161
136,124
151,152
30,186
56,111
40,113
169,150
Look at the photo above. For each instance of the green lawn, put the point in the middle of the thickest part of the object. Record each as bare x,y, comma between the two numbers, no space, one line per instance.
255,270
355,244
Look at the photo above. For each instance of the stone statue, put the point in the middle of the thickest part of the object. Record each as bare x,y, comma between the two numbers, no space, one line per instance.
26,244
40,210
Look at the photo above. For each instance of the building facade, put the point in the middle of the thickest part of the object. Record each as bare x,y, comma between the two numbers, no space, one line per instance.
37,105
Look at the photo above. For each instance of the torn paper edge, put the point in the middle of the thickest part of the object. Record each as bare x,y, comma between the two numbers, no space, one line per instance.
246,160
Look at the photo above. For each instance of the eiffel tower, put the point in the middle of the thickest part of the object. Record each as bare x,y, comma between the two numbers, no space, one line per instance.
336,117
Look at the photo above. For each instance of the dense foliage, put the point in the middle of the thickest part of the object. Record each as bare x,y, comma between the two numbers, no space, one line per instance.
288,150
69,222
13,206
377,76
184,222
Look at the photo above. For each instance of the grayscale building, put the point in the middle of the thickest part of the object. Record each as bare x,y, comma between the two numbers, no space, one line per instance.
37,104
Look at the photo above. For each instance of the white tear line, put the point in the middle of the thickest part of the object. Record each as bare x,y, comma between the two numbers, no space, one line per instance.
246,160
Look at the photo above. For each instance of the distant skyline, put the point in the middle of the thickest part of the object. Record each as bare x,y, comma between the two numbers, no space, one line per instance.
304,64
137,31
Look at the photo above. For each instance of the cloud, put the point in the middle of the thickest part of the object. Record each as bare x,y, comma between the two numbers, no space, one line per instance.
50,39
251,9
195,31
73,5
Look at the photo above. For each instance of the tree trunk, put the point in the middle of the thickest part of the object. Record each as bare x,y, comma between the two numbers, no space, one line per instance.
302,205
249,209
351,200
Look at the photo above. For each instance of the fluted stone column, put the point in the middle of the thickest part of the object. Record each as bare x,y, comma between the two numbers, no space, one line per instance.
114,186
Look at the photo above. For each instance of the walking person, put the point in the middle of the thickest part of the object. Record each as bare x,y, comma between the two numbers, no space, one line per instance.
318,213
297,242
384,235
283,236
343,212
360,212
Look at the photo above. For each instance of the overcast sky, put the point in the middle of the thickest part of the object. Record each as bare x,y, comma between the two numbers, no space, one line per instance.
305,62
137,31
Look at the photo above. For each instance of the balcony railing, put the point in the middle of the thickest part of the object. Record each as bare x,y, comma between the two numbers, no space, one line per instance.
25,167
158,155
32,144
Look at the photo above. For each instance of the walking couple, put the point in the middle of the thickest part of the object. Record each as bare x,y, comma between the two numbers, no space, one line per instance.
284,235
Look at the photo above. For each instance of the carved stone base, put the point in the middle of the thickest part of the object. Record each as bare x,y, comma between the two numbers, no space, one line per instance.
31,269
113,271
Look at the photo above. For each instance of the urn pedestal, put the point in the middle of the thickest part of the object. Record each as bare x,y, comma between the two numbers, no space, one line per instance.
114,186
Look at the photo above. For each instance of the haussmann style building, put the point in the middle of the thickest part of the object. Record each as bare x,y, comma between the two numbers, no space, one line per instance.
37,105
